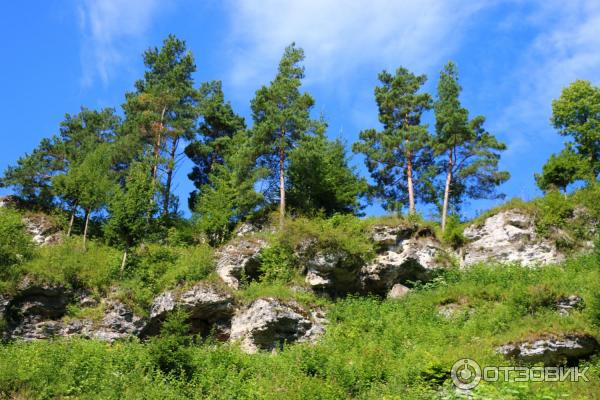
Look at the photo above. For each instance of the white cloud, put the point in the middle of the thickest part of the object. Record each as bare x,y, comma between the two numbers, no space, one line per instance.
340,37
107,27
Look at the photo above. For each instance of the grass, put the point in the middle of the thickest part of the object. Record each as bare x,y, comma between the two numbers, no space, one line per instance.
373,348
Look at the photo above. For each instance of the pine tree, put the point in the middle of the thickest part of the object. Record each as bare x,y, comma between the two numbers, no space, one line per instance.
218,126
396,155
470,153
281,117
162,110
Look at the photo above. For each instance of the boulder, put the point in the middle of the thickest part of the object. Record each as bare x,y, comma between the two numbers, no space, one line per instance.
412,259
268,324
332,271
508,237
569,303
552,350
398,291
206,306
10,201
240,259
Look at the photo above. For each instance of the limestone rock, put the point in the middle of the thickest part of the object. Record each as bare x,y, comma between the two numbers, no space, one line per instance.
398,291
508,237
42,229
553,350
268,324
240,258
119,322
206,306
412,259
566,304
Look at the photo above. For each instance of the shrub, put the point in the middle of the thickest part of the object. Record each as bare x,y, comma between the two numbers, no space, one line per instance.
536,298
15,244
169,351
276,264
553,211
453,235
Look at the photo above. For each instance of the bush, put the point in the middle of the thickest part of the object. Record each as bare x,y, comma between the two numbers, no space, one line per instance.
553,211
536,298
15,244
277,264
169,351
453,235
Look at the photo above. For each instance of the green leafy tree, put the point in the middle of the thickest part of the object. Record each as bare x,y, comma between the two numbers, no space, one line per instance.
230,195
576,113
162,111
321,180
15,244
563,169
396,155
219,123
130,209
470,153
281,117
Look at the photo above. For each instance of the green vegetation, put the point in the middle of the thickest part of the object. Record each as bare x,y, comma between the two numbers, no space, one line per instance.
373,349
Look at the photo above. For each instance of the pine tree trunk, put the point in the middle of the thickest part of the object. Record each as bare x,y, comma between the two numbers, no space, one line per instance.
447,192
71,221
170,169
156,152
409,181
124,261
281,181
85,229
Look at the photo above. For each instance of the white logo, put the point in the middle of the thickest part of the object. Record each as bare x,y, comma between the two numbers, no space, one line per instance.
466,374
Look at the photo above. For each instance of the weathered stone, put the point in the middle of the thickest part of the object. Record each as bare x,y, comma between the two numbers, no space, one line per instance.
552,350
240,259
42,229
268,324
508,237
398,291
566,304
119,322
206,306
412,259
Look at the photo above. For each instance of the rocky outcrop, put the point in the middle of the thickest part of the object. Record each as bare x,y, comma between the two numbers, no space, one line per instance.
207,307
567,304
405,255
240,259
508,237
119,322
269,324
552,350
42,229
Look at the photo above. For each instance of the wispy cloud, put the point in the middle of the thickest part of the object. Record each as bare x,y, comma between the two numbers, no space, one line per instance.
565,47
108,26
341,37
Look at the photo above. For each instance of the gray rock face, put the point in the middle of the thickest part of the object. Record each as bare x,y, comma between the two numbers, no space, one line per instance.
42,229
553,351
119,322
567,304
267,324
207,307
330,270
398,291
410,259
508,237
238,259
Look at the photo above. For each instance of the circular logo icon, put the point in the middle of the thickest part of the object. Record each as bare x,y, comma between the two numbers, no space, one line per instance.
466,374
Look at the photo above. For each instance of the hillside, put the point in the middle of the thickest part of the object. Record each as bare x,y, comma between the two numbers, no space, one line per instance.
327,308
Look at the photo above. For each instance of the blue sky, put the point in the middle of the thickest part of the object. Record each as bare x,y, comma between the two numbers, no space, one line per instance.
513,57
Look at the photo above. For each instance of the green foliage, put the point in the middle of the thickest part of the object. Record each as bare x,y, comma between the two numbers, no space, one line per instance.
277,264
401,150
561,170
576,113
217,130
453,234
131,208
320,179
15,244
554,210
372,349
470,168
281,117
169,351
